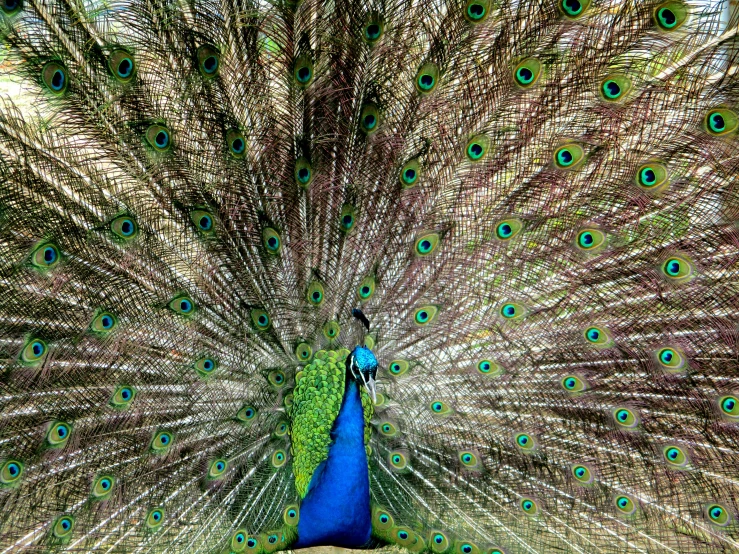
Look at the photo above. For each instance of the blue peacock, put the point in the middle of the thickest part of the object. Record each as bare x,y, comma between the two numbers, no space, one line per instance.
454,276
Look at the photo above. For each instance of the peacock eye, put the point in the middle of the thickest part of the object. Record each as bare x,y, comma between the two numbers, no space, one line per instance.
303,172
158,137
477,147
217,468
573,384
366,288
440,408
476,11
203,221
261,319
182,304
675,456
512,311
489,367
63,526
303,71
122,397
426,244
573,8
161,442
291,515
102,487
209,61
678,269
718,514
590,240
103,323
439,542
398,367
625,505
398,460
388,429
625,418
651,176
373,30
236,143
670,15
369,118
525,442
155,518
124,227
721,121
507,229
58,434
568,156
33,352
614,88
10,7
427,78
582,474
527,72
121,65
279,458
469,459
205,366
314,294
45,255
529,506
598,336
276,378
348,218
303,352
246,413
729,405
410,173
425,315
54,76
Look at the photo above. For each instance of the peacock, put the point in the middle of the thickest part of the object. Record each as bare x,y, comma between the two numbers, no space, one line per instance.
444,276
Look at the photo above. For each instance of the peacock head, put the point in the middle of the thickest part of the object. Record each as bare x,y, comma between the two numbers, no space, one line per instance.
362,365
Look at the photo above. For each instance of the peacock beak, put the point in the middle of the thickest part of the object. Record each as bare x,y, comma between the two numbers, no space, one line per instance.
369,384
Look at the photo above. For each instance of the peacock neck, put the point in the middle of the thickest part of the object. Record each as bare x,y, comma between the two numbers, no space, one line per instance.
336,509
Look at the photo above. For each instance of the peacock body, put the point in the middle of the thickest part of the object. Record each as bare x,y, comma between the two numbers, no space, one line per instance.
458,276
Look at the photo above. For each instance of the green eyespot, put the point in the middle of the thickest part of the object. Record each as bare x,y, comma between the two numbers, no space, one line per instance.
387,429
525,442
161,442
476,11
489,367
398,367
303,352
582,474
217,468
426,244
261,319
122,65
182,304
236,143
670,15
203,221
315,294
410,173
45,255
678,269
425,315
205,366
10,7
529,506
675,456
277,378
495,550
729,406
124,227
590,240
102,487
398,460
469,459
717,514
55,77
58,434
512,311
671,359
279,457
508,228
291,515
331,330
155,518
625,418
271,240
373,29
651,176
574,384
366,288
721,121
246,413
440,408
477,147
624,504
569,156
303,71
598,336
103,323
303,172
34,352
10,472
404,536
209,61
369,118
614,88
239,541
63,527
381,519
348,218
158,137
527,73
573,8
427,78
122,397
465,547
439,542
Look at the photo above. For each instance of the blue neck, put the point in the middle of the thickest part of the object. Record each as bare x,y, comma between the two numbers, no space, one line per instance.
336,510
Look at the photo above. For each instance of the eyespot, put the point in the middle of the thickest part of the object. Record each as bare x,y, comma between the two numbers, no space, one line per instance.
398,367
426,244
331,330
573,8
348,218
11,7
58,434
670,15
303,71
512,311
496,550
209,61
314,294
675,456
671,359
45,255
614,88
103,323
625,418
721,121
291,515
507,229
239,541
236,143
102,487
489,367
369,118
261,319
55,77
529,506
477,147
203,221
410,173
440,408
10,472
525,442
439,542
158,137
527,73
303,352
573,384
589,240
380,400
624,504
476,11
466,547
276,378
469,459
569,156
122,397
63,527
124,227
382,520
121,65
182,304
271,240
678,269
398,460
246,413
161,442
729,405
252,544
372,30
279,457
205,366
651,176
155,518
34,352
366,288
717,514
582,474
427,78
598,336
217,468
425,315
303,172
388,429
404,536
